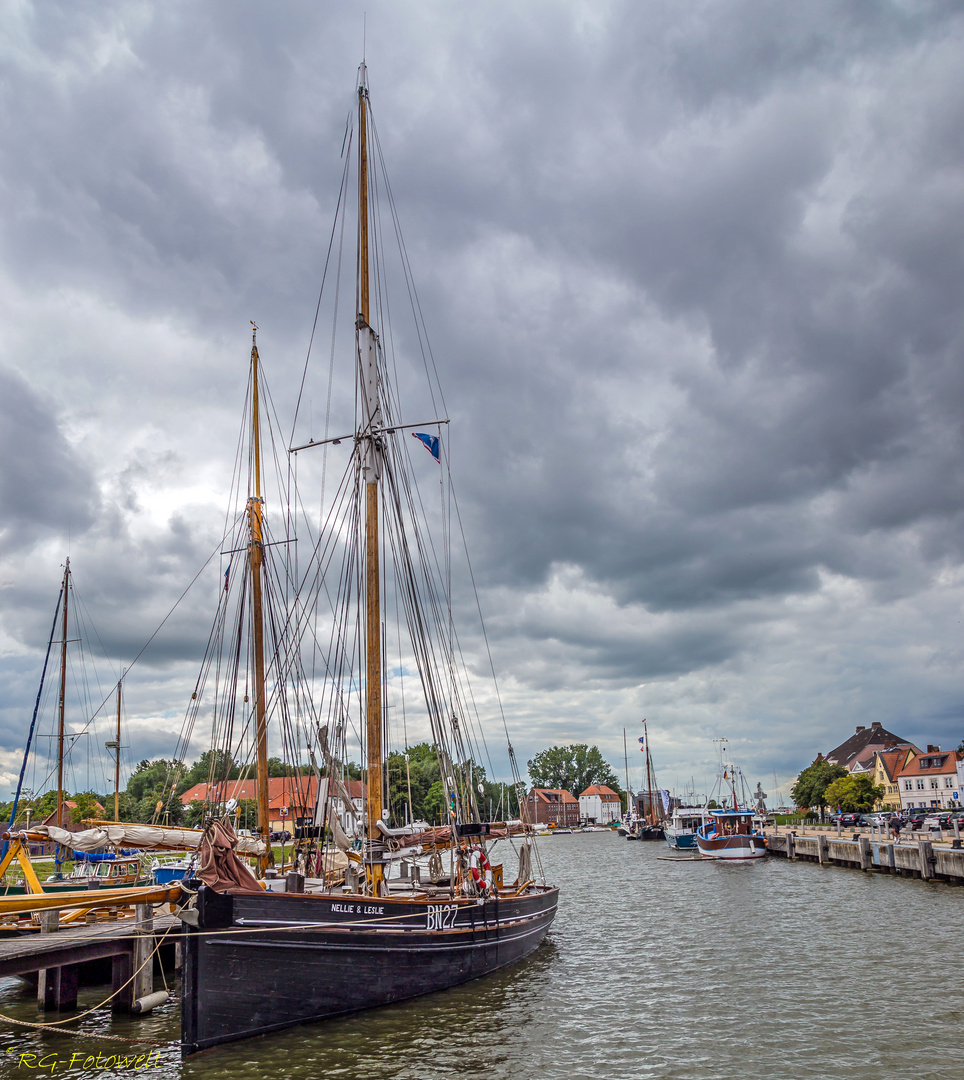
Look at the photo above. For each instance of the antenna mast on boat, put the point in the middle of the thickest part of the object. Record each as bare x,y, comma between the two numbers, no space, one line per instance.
255,559
366,344
116,747
63,698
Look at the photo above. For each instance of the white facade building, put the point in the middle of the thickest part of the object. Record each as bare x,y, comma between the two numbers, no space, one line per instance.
600,805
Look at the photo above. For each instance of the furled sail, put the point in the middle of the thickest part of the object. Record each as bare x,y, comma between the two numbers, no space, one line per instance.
125,834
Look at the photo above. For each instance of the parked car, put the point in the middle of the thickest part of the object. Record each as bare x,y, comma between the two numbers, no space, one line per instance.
914,819
280,836
851,819
939,820
880,817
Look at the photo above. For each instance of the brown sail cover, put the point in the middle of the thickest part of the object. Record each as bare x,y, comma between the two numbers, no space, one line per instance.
219,867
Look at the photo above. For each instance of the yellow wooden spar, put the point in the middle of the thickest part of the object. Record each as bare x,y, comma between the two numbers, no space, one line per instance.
90,898
17,851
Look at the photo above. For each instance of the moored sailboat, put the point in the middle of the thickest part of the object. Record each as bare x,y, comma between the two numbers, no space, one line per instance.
256,961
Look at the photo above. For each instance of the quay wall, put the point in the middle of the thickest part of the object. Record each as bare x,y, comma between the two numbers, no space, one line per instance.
915,858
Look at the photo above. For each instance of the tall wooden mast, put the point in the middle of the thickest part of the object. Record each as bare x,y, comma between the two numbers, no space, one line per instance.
371,453
63,699
256,560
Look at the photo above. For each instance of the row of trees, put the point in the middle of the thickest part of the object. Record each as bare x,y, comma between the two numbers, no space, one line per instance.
415,789
572,768
824,784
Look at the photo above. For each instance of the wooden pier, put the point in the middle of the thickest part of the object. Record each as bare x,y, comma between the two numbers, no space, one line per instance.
927,859
60,956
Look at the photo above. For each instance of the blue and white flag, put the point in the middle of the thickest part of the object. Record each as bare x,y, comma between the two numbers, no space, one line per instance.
431,444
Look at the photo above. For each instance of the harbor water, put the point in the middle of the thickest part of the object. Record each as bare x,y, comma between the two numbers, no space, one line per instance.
770,970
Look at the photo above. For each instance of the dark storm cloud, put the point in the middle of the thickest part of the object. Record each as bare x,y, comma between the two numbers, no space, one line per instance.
692,274
45,486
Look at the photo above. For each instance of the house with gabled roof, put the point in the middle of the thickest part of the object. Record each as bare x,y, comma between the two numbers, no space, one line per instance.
66,821
291,799
552,806
930,780
599,805
887,767
856,753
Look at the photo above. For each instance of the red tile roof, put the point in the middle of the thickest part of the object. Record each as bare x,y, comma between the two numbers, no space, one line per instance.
945,762
605,793
282,791
893,762
544,793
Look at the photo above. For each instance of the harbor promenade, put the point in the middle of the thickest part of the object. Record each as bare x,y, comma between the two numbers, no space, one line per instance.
919,855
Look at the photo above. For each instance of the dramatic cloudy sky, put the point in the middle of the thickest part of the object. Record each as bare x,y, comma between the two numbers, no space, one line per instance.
694,276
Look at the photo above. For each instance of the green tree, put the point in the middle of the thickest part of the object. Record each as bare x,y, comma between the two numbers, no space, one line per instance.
428,800
194,813
571,768
150,784
85,806
853,794
435,807
423,769
212,767
811,787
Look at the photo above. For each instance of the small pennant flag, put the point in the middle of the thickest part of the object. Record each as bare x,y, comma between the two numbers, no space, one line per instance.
226,573
431,444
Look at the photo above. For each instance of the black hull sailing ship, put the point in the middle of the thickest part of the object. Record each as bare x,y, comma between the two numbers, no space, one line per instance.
349,952
256,961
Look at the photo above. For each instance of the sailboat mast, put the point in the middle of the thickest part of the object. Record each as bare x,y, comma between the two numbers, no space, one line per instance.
117,749
371,425
255,559
629,794
649,776
63,699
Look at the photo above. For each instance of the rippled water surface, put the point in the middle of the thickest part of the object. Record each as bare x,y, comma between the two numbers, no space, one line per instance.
653,969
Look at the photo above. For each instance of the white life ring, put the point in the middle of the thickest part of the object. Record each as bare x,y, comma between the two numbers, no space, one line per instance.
481,871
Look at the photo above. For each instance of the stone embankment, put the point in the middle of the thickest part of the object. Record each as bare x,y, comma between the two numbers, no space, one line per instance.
928,859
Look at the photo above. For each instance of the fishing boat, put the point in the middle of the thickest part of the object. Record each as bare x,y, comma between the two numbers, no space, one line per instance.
680,830
412,907
730,833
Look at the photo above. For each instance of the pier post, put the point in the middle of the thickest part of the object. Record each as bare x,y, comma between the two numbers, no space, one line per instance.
891,858
866,853
926,849
121,985
143,951
49,921
823,849
791,849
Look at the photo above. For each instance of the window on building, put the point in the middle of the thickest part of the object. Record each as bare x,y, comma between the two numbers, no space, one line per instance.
907,785
934,784
948,781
